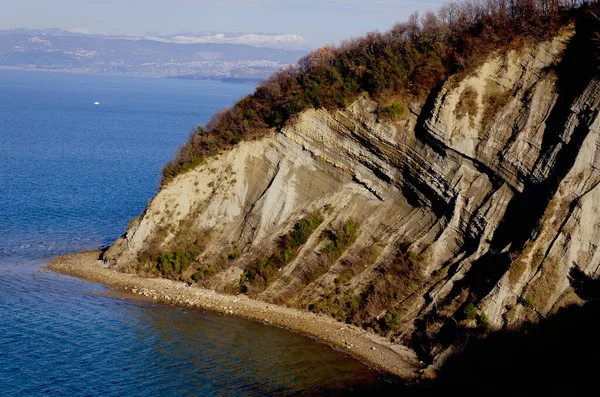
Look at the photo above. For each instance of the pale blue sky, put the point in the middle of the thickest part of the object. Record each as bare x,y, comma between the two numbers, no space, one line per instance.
319,21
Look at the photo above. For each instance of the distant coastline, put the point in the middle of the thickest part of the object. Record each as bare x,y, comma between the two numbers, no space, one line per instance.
230,80
375,350
73,71
227,80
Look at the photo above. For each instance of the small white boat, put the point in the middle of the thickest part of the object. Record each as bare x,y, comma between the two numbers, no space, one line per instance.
96,103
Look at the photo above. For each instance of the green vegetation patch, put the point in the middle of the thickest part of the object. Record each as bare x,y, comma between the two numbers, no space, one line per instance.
204,272
395,112
337,243
516,270
527,302
341,240
172,264
395,281
262,271
174,259
483,320
470,312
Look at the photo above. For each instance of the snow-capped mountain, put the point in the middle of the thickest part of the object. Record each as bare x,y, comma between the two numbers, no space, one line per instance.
291,42
280,42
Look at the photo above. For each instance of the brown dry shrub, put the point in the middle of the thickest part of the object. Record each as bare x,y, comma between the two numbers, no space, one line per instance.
494,99
516,271
543,289
357,262
467,105
393,281
410,59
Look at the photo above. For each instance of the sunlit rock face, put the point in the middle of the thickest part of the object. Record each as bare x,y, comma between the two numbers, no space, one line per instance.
485,194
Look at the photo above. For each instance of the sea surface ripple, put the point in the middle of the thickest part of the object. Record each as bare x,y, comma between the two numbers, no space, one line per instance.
72,174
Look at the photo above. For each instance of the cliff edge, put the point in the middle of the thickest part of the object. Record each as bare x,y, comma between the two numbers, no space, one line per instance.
467,212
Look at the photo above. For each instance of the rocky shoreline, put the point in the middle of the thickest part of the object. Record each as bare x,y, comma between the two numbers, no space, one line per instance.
375,350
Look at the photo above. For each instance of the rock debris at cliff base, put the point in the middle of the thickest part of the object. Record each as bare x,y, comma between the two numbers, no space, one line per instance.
370,348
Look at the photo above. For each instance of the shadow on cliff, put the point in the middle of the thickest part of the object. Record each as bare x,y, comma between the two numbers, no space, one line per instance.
560,353
579,65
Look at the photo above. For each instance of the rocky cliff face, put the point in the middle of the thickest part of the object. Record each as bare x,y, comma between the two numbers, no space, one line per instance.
472,209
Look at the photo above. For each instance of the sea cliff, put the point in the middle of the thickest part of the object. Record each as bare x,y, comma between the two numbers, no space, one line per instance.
468,212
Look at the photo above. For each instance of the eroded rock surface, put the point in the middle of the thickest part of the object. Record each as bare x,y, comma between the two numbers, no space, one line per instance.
487,194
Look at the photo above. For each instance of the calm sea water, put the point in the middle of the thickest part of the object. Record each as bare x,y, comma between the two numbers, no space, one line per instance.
71,176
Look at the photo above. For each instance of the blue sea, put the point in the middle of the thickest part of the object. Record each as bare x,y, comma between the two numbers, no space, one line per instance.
72,174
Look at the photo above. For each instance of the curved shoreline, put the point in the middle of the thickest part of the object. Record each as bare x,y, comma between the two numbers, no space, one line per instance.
372,349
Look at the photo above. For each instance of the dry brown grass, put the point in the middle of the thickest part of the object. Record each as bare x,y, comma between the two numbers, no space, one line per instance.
264,269
543,289
494,99
516,271
467,105
511,314
357,262
520,265
394,280
337,241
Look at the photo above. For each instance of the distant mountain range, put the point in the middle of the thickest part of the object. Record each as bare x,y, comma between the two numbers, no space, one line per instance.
193,55
282,42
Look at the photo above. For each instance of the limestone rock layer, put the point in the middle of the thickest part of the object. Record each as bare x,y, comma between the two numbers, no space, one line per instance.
490,204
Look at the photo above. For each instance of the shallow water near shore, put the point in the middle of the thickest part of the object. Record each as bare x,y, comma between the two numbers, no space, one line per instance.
72,174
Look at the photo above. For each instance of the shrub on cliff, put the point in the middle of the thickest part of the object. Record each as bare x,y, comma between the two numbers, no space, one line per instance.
203,272
173,263
396,281
470,312
261,271
341,239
